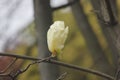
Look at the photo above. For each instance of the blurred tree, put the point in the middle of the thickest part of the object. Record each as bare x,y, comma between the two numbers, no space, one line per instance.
101,62
43,19
111,28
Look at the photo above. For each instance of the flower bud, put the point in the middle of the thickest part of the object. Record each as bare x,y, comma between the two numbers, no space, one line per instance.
56,37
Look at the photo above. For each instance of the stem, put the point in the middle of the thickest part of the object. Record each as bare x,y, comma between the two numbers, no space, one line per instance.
19,56
62,76
82,69
61,64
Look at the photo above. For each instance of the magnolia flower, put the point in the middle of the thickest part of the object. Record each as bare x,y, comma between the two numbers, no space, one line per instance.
56,37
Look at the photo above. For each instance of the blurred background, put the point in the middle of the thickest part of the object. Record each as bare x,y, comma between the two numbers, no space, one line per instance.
23,28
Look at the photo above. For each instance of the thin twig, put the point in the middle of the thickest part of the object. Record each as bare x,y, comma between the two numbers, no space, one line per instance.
62,64
18,56
82,69
62,76
4,75
24,70
117,74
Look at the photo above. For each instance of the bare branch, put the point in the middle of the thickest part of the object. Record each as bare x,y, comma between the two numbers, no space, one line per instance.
113,20
29,65
18,56
60,64
62,76
82,69
106,14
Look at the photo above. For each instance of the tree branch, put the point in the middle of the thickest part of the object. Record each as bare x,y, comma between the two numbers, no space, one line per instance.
66,5
19,56
61,64
113,20
62,76
81,69
28,66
